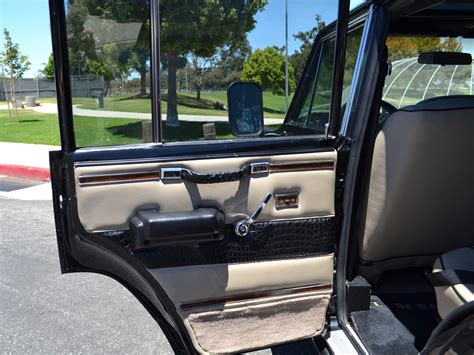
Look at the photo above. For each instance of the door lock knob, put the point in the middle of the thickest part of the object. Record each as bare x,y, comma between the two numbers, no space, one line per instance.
242,227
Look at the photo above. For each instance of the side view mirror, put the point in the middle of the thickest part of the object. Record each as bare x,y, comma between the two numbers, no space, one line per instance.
245,103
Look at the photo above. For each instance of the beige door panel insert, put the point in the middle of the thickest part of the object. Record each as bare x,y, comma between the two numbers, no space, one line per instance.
108,195
285,299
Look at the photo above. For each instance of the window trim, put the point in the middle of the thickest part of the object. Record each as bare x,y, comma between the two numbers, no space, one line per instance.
62,75
323,49
63,84
155,85
356,22
342,30
60,48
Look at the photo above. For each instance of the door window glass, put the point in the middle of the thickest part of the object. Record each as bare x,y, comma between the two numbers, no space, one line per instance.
109,58
315,111
203,49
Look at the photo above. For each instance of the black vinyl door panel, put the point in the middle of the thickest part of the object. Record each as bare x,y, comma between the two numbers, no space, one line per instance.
201,278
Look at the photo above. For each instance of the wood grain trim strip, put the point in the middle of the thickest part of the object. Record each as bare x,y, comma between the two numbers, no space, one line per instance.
119,177
323,165
155,175
255,295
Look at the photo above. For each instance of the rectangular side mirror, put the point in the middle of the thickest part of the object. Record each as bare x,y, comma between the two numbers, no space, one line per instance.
245,101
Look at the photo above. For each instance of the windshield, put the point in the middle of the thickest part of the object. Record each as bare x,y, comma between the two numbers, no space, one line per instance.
411,82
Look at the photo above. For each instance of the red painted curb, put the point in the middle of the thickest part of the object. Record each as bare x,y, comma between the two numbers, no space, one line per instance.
25,172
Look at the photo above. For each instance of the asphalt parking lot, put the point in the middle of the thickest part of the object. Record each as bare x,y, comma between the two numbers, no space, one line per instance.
44,312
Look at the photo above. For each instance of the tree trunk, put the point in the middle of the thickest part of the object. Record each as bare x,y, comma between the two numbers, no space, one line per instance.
143,80
172,101
197,77
198,92
107,87
13,90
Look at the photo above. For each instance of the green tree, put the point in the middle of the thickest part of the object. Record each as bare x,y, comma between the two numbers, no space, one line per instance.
48,69
194,26
80,41
228,65
85,56
266,67
13,65
407,47
200,66
201,27
136,57
307,38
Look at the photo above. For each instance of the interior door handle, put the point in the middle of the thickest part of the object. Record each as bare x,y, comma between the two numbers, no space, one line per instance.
212,178
204,178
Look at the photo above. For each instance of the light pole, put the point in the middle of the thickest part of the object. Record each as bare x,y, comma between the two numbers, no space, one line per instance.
286,54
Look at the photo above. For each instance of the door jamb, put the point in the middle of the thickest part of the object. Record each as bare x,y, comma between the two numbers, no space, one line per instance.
62,75
354,126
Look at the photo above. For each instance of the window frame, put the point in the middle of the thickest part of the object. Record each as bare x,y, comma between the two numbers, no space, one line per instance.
60,48
63,86
356,21
155,85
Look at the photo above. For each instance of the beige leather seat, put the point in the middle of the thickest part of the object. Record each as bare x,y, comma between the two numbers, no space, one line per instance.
448,298
420,197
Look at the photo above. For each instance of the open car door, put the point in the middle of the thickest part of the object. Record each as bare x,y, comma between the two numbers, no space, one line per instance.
229,244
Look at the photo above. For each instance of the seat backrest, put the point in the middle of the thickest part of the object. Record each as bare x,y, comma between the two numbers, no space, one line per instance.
420,197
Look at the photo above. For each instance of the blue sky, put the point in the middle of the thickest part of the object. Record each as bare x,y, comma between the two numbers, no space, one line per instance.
28,23
270,29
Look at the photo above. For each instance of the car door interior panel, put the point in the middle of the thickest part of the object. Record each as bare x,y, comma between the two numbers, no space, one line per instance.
181,221
128,188
243,296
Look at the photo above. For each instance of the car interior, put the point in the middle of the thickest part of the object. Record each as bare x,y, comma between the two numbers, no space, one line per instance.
414,227
235,245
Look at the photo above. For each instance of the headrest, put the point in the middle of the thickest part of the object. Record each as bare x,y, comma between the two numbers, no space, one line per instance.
445,58
440,103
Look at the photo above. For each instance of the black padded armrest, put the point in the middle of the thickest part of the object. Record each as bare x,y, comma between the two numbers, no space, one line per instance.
150,228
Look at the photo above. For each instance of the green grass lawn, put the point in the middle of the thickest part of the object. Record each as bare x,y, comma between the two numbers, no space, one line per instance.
187,104
36,128
274,105
31,127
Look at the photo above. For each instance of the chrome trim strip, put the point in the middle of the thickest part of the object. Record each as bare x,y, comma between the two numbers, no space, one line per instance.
359,67
259,167
171,173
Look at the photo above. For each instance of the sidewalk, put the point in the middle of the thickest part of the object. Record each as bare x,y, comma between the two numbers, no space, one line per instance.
29,161
51,108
